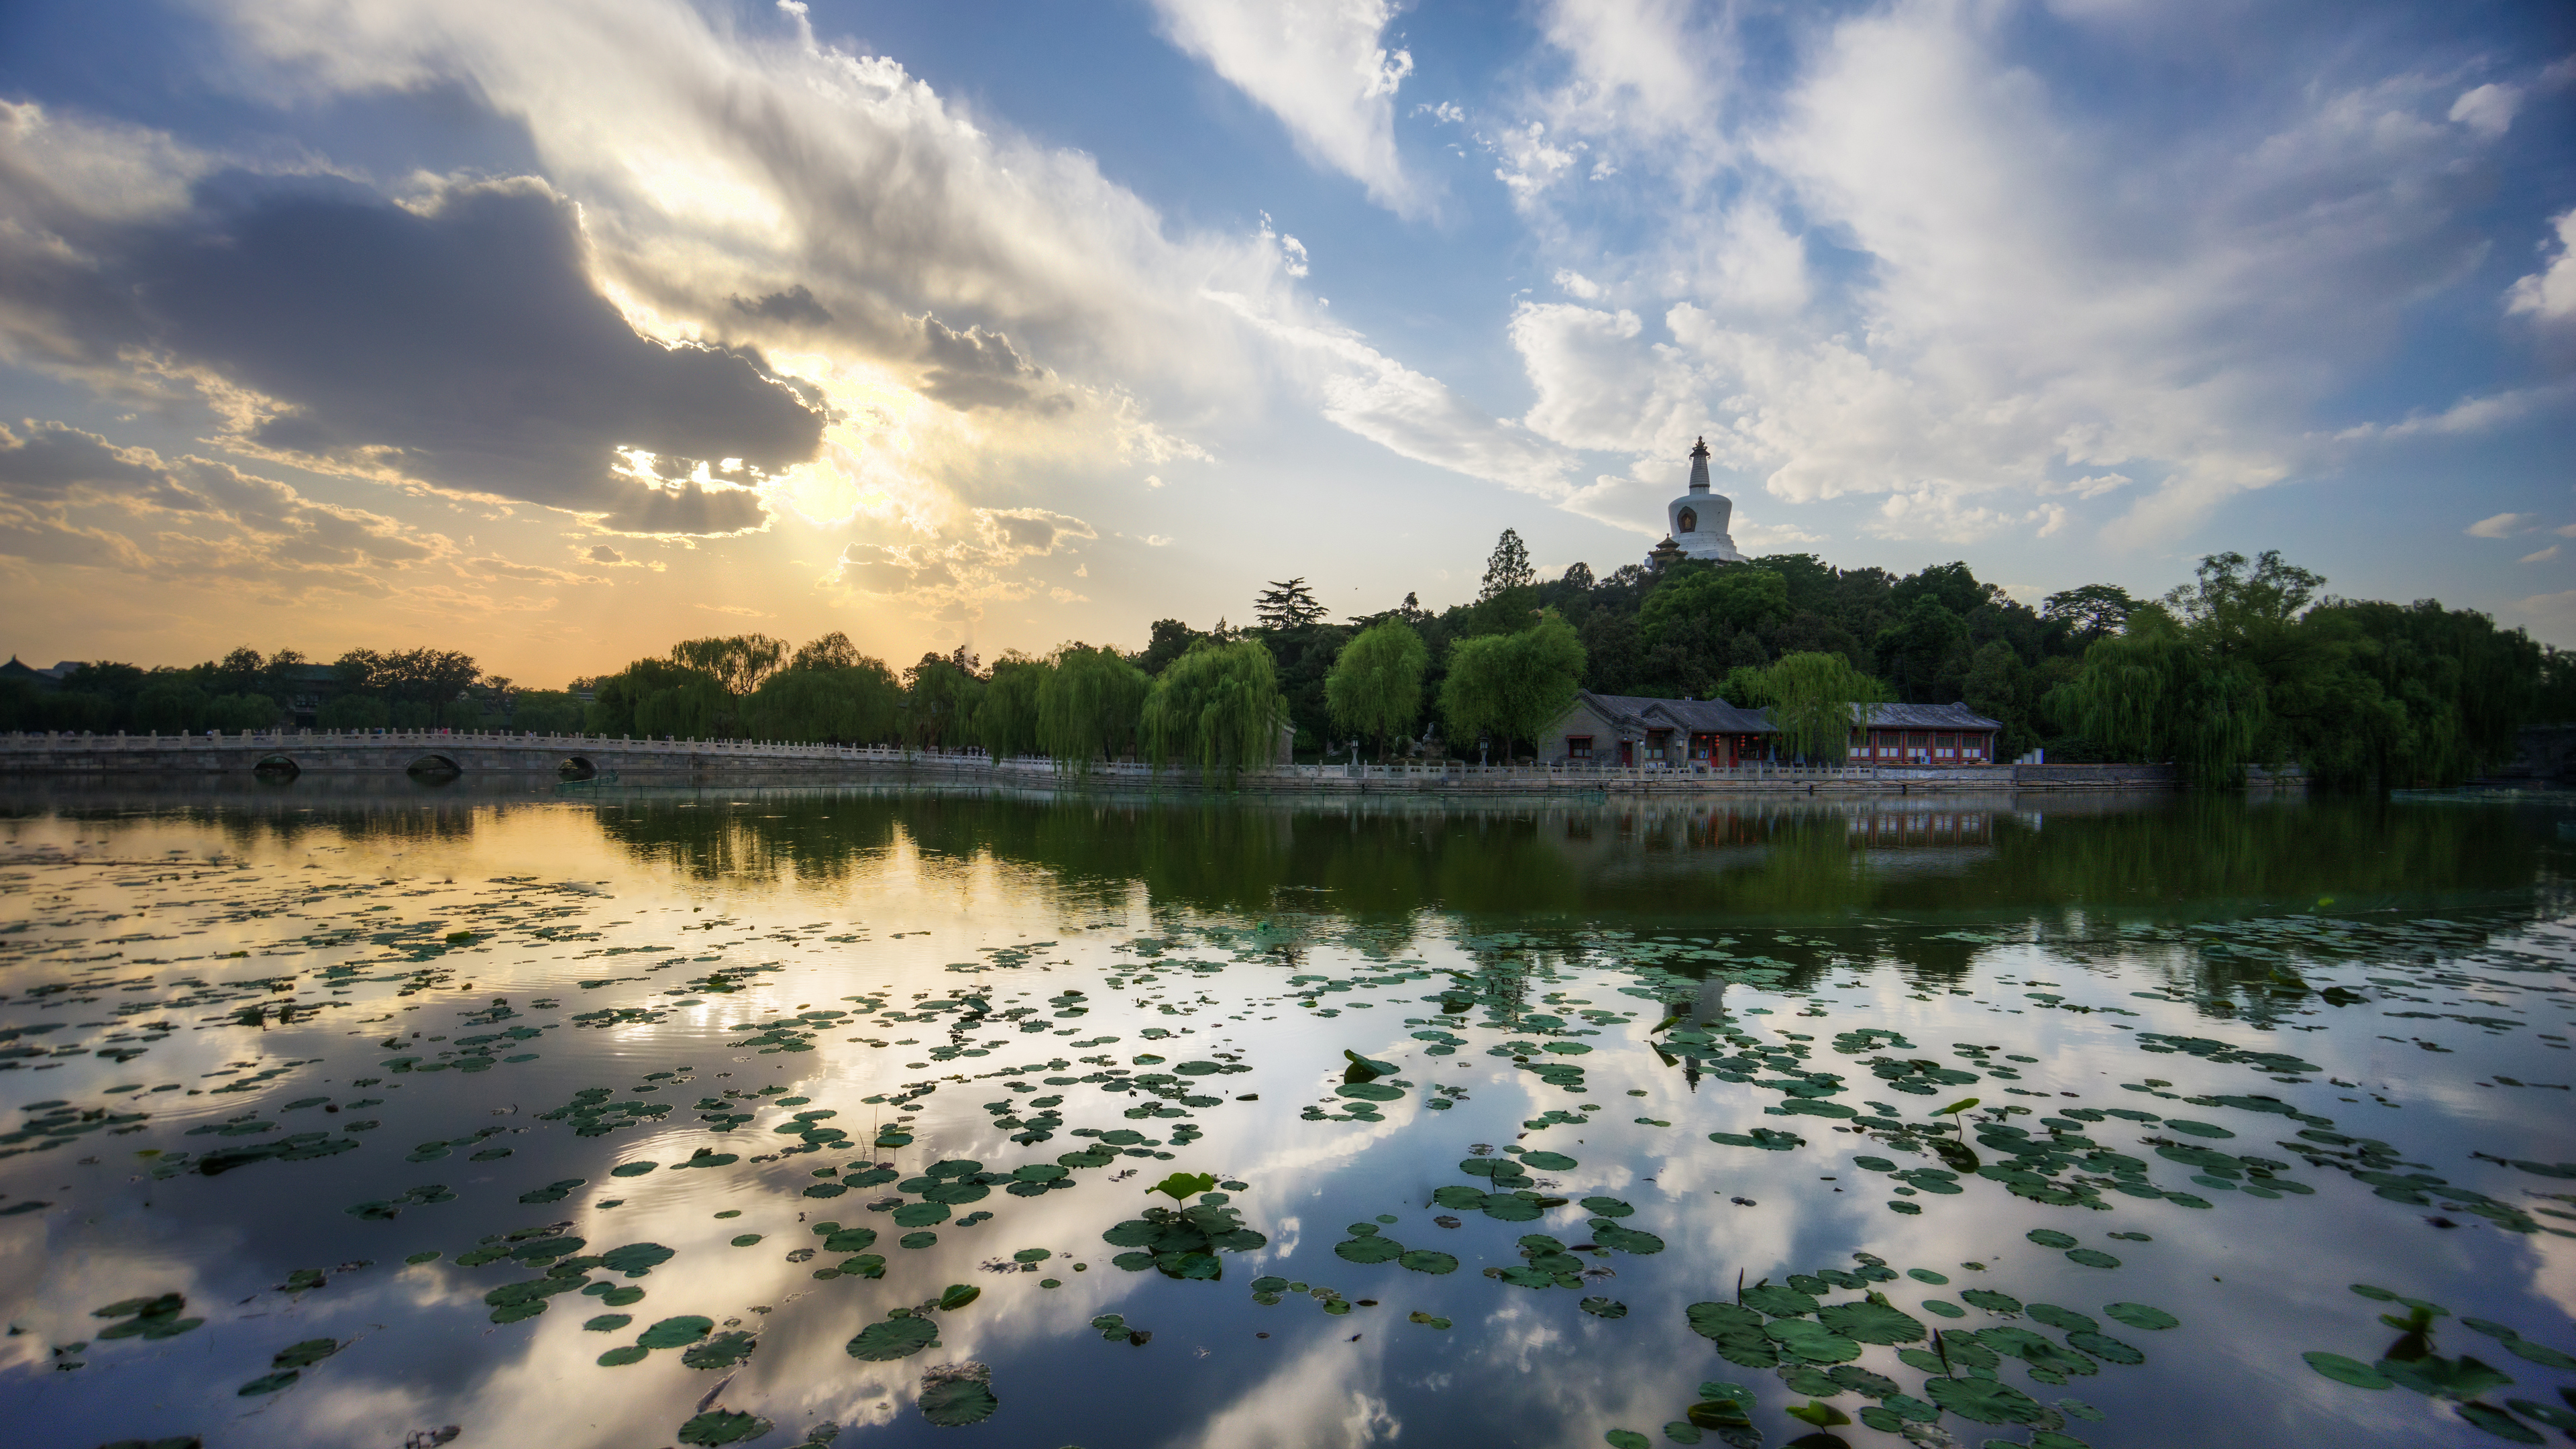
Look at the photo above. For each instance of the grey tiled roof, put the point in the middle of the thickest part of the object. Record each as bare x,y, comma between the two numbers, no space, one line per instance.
1697,716
1927,717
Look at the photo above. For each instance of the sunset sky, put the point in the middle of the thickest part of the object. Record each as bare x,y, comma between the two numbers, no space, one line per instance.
555,332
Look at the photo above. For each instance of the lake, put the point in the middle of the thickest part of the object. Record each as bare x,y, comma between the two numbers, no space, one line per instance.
379,1116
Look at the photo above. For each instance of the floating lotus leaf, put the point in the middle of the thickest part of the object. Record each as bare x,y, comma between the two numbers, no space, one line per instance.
2140,1315
2065,1318
1778,1300
268,1384
675,1332
1762,1137
1709,1320
1608,1207
1944,1308
2346,1370
1511,1207
2092,1258
1624,1240
2050,1238
1868,1384
1604,1307
635,1259
1368,1250
304,1355
2197,1129
1991,1301
2460,1378
2539,1353
892,1339
1548,1161
1627,1439
2105,1348
1810,1340
920,1214
625,1354
1986,1401
1872,1322
958,1295
723,1426
609,1322
2499,1423
1423,1260
850,1240
1369,1091
954,1403
722,1351
1459,1199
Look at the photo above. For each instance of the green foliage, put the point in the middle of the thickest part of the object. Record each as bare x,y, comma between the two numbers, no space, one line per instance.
1215,708
1375,687
1508,568
2090,612
545,711
1724,601
1811,697
1914,651
851,704
1089,703
941,694
1182,1186
354,712
1287,605
651,698
1512,686
1006,721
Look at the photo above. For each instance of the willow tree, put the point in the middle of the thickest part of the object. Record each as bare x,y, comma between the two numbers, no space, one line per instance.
1512,685
1215,708
1375,687
1006,721
858,703
1088,704
1814,700
2150,693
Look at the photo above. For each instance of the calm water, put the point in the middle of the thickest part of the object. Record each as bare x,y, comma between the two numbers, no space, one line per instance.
657,1118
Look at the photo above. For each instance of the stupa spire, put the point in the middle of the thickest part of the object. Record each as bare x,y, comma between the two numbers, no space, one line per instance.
1699,466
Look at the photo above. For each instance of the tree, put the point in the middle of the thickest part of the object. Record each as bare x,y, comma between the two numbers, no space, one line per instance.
1375,687
1578,576
654,697
1512,685
857,703
1289,605
1089,704
1216,708
1917,651
737,663
940,697
545,711
2091,611
1727,601
1006,719
832,651
2147,693
1812,699
1169,640
1508,568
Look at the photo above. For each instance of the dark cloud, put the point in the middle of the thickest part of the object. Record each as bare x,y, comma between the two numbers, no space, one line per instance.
979,369
602,553
463,344
52,462
795,305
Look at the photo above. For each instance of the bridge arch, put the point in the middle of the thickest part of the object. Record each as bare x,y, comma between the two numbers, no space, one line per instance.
434,767
277,767
577,767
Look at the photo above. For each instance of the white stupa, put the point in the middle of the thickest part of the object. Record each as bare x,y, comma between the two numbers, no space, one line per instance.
1698,519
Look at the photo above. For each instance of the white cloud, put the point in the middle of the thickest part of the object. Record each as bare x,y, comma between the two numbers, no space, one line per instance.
2487,110
2543,556
1318,65
2550,294
2468,415
1574,284
2502,525
2039,297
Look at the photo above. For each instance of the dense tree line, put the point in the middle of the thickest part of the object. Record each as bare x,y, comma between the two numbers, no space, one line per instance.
2250,663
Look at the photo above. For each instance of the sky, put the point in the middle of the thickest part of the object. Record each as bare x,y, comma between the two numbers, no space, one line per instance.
557,332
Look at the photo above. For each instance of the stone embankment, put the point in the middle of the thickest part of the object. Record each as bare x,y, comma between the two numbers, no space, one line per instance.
596,758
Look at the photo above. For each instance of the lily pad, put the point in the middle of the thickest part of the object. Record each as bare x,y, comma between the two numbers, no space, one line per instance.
1624,1240
624,1354
1812,1341
958,1295
722,1351
2140,1315
920,1214
1423,1260
957,1402
1992,1301
1778,1300
2063,1318
2346,1370
1872,1322
892,1339
1548,1161
2106,1348
2050,1238
1608,1207
2092,1258
1986,1401
723,1426
1368,1250
675,1332
1604,1307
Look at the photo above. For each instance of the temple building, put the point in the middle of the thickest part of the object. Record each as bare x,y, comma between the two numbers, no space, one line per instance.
1697,520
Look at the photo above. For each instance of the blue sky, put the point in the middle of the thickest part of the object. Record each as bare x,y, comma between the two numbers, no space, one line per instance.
557,332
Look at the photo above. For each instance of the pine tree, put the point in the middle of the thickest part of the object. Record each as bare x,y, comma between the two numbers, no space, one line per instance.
1509,568
1289,605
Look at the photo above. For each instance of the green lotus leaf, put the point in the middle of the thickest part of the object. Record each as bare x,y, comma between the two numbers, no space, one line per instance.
1549,1161
1368,1250
1778,1300
2140,1315
958,1295
920,1214
2063,1318
1608,1207
723,1426
624,1354
1811,1341
1991,1301
1986,1401
2106,1348
1604,1307
891,1339
1872,1322
954,1403
2050,1238
1708,1320
2346,1370
2092,1258
674,1332
722,1351
1423,1260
